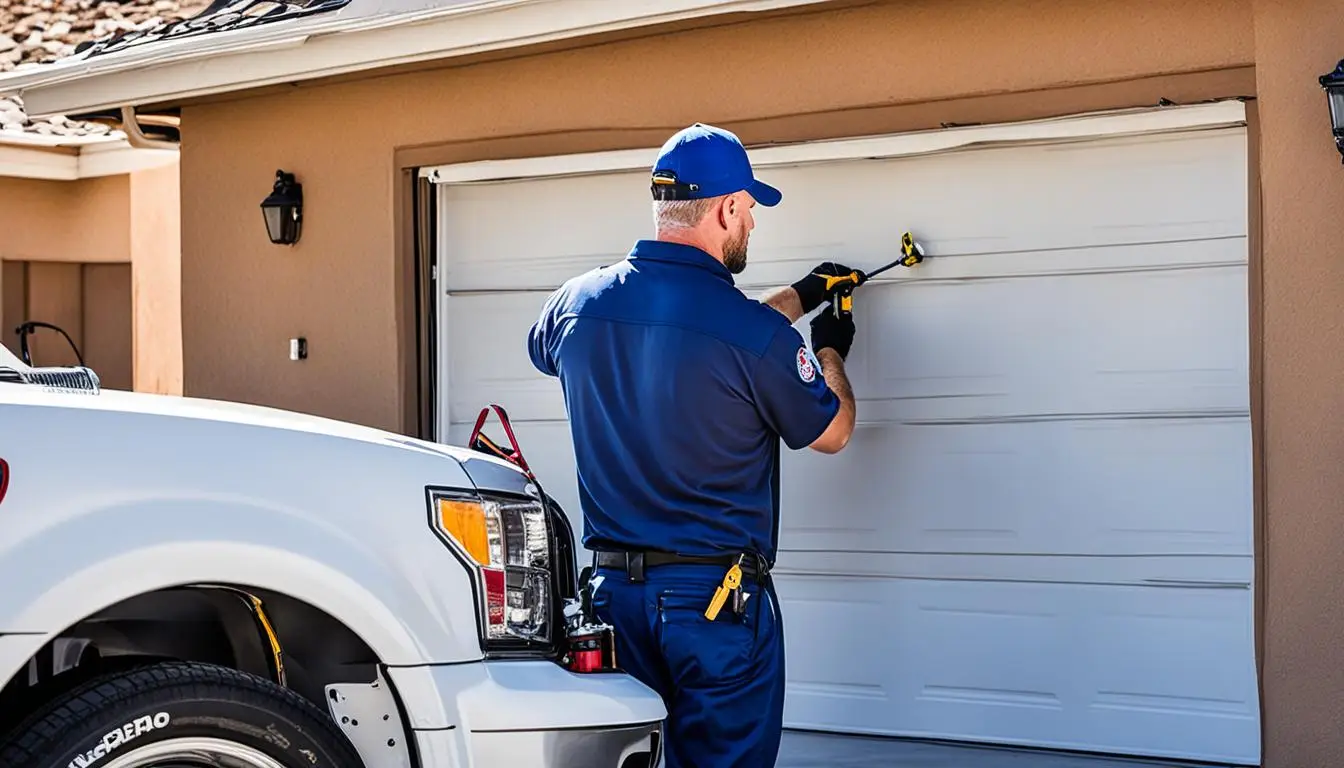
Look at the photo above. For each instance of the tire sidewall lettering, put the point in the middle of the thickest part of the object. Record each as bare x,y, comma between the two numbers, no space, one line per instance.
143,709
274,736
124,735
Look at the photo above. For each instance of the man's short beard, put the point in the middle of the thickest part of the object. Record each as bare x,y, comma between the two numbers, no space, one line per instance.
735,254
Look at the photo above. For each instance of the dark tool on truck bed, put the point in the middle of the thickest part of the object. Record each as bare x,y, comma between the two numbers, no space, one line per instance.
842,303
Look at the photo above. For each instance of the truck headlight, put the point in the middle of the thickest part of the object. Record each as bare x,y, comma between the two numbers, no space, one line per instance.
506,542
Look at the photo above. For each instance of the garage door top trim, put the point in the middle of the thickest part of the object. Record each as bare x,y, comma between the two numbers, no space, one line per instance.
1079,127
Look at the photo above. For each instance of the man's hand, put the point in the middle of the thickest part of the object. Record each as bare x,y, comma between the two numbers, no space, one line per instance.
812,289
794,301
829,331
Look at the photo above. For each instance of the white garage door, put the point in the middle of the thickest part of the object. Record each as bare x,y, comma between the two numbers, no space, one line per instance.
1044,533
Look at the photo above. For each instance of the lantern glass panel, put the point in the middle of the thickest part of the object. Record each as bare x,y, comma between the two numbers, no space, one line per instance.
274,214
1336,97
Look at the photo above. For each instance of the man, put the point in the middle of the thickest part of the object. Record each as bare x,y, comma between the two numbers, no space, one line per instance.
679,389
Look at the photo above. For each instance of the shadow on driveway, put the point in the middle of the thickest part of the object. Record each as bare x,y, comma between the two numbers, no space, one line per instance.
812,750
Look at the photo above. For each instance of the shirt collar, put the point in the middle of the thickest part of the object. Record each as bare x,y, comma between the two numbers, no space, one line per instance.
677,253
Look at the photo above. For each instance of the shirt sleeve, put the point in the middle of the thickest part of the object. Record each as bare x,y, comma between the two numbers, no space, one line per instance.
539,338
791,393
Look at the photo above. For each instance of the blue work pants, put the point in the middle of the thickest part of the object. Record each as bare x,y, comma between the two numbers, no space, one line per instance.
722,681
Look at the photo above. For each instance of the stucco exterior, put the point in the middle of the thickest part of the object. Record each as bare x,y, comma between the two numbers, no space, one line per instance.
156,280
37,213
1302,193
99,257
870,68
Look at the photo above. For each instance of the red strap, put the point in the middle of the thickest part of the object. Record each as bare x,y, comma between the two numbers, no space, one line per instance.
508,429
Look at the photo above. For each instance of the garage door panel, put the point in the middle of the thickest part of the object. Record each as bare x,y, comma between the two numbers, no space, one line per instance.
487,360
1046,650
1195,495
1171,341
945,668
1185,633
1210,571
1125,487
1132,343
843,670
965,268
1065,660
537,234
1018,200
1022,199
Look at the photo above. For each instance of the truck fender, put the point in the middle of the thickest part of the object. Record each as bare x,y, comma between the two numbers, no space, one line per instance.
95,558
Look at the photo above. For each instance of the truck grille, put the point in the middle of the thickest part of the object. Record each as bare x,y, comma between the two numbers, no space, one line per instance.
77,379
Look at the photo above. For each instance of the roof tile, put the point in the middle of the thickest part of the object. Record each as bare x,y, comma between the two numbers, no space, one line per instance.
34,32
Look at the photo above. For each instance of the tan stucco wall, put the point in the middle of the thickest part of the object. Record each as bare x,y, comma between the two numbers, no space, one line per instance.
54,235
893,65
84,221
99,257
1303,212
156,248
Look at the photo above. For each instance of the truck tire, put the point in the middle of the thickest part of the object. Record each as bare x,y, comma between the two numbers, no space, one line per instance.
179,714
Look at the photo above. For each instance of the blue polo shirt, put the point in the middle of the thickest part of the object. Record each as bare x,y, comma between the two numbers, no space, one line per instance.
679,389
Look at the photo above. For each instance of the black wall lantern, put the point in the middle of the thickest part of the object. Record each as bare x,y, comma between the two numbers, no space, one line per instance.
283,210
1333,83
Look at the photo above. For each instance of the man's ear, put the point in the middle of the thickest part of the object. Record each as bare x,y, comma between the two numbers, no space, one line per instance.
727,211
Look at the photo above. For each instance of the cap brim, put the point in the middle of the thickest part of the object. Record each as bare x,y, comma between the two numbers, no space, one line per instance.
764,193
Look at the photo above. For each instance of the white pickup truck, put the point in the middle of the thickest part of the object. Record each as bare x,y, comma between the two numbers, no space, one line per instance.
194,583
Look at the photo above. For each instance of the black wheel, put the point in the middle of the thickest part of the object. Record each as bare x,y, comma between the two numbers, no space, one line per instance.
178,715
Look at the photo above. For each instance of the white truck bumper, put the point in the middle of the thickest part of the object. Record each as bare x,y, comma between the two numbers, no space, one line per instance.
531,714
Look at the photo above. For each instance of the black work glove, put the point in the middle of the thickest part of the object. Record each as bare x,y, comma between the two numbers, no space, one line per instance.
812,288
834,332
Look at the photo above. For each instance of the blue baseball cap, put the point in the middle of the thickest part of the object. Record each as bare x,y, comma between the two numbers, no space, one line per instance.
703,161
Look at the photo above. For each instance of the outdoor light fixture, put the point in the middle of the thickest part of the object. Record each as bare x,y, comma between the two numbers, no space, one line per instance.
1333,83
283,209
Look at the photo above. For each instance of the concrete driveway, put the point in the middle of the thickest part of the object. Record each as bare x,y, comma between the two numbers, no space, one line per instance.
809,750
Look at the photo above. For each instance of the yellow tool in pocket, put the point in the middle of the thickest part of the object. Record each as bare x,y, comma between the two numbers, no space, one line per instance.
731,581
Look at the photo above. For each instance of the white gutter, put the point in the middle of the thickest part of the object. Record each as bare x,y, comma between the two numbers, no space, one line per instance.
1108,124
322,46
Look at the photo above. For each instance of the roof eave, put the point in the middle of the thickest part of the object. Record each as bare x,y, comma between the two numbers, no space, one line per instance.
49,161
305,50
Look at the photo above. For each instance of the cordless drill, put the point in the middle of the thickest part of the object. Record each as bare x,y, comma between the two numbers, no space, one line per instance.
842,302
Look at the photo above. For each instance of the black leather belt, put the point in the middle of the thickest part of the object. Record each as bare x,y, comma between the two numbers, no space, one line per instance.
753,568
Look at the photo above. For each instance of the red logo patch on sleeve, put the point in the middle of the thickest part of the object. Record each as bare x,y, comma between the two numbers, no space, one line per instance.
807,370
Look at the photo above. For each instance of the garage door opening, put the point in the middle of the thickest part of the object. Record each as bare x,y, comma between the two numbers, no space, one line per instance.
1059,552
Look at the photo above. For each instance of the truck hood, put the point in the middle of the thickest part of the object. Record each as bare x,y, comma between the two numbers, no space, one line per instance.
204,409
486,470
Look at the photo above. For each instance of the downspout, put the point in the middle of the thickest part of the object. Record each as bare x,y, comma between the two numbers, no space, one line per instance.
130,125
